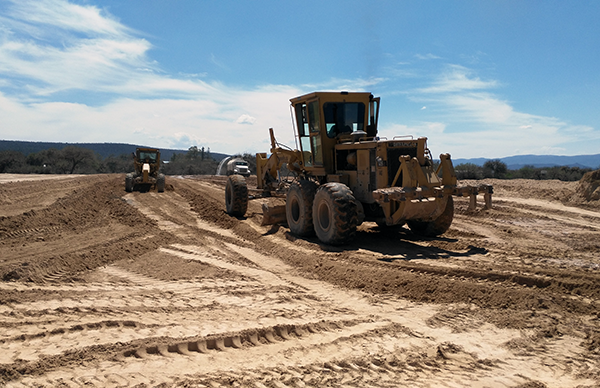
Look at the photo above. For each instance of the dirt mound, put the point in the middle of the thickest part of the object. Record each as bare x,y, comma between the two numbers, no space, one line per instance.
89,227
589,186
206,206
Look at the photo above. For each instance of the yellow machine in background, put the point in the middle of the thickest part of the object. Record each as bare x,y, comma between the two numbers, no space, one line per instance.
146,163
344,174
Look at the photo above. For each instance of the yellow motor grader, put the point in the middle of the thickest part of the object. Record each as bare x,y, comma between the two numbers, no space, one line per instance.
146,163
342,174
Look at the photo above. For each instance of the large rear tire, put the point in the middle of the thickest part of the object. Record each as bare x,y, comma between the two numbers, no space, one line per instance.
335,213
436,227
160,183
298,207
129,183
236,196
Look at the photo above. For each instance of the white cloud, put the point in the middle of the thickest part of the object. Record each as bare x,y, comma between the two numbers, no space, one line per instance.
478,123
426,56
166,123
456,79
429,130
552,150
106,58
95,53
98,64
245,119
350,85
64,16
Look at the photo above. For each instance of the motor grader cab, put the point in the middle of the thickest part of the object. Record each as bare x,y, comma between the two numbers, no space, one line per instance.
344,174
146,175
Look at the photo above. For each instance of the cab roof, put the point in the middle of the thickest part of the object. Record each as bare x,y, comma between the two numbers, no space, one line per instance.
333,96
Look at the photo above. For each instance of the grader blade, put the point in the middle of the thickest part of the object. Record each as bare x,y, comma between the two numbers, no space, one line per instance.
273,214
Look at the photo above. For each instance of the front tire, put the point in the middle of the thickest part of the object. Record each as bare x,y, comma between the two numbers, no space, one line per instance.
298,207
436,227
129,183
335,214
160,183
236,196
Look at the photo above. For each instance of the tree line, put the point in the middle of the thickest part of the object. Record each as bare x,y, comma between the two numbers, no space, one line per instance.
79,160
198,161
498,169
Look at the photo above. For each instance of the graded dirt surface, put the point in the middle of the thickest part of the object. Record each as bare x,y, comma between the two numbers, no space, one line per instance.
99,287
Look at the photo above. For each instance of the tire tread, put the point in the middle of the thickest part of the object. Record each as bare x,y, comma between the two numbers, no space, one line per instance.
345,213
236,196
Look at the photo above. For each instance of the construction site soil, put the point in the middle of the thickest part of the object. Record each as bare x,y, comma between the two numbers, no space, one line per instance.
100,287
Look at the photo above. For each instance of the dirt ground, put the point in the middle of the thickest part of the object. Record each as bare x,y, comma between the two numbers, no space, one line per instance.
106,288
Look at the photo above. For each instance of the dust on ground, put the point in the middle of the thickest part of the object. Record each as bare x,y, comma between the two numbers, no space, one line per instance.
106,288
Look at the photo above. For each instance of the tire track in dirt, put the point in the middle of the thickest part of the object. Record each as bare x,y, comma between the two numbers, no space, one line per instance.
276,319
549,205
20,193
177,218
523,280
94,226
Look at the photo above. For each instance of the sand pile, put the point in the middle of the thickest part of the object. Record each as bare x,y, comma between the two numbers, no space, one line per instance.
589,186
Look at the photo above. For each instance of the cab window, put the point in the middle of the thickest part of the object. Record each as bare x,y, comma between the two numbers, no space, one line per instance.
317,150
306,153
343,117
301,119
150,156
373,112
304,134
313,116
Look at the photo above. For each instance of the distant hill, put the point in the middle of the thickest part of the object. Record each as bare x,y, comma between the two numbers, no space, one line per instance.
102,149
115,149
519,161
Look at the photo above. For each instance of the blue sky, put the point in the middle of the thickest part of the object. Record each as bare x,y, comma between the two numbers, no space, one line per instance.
478,78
